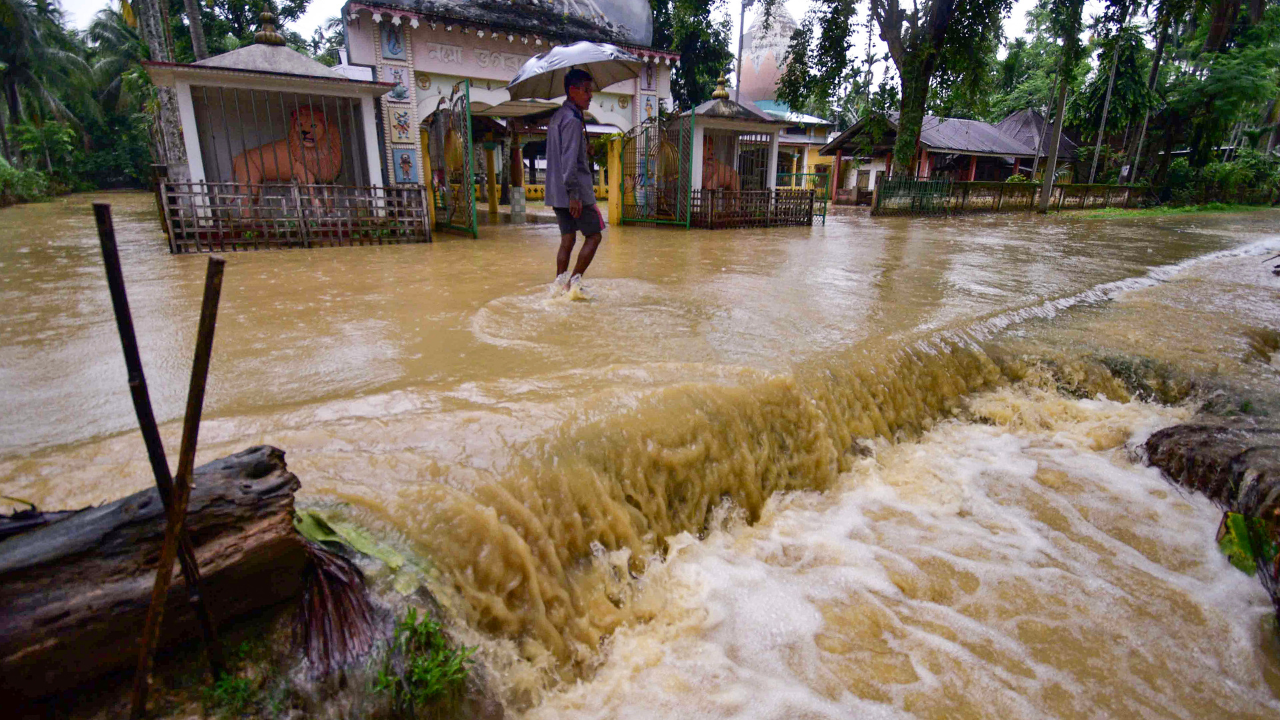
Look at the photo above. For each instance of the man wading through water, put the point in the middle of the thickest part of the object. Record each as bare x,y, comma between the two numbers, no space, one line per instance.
570,187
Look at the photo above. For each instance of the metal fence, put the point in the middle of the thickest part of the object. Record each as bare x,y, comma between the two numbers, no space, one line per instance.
224,217
820,183
716,209
911,196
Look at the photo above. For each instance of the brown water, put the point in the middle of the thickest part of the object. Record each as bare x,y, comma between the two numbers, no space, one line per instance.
553,461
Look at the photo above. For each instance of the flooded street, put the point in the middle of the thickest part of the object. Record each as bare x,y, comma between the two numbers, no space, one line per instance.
761,473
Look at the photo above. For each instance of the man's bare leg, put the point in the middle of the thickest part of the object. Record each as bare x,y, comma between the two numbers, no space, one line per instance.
585,255
566,250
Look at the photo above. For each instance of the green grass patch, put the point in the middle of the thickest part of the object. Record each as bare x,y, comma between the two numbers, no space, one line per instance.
1163,210
230,696
421,668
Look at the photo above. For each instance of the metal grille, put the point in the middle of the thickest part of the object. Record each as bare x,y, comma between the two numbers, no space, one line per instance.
222,217
657,171
909,196
263,136
752,208
753,161
452,160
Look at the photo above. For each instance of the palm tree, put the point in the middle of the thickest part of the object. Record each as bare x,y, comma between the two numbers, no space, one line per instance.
118,52
40,63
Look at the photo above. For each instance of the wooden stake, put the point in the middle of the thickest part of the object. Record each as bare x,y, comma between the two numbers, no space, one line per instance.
181,482
147,424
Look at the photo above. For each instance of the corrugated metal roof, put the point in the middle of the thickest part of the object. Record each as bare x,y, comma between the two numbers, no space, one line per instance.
781,111
967,137
954,135
1028,126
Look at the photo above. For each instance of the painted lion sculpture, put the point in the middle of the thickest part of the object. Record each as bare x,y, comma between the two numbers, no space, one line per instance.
719,176
310,155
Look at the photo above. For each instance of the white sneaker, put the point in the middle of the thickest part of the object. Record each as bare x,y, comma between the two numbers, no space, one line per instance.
577,289
560,284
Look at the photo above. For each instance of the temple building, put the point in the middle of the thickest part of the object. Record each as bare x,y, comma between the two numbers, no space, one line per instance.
450,62
763,55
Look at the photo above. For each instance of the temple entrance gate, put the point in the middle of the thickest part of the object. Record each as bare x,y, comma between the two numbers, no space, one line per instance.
657,171
450,149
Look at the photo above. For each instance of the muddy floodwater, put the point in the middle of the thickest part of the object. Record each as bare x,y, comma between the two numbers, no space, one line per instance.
825,472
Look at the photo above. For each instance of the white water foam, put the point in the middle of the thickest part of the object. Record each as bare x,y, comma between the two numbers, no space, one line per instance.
1023,569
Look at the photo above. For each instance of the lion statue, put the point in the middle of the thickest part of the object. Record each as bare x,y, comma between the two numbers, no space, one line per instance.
310,155
719,176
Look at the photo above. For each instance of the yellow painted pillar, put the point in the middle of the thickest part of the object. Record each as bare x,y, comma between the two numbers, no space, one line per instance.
615,181
493,182
428,178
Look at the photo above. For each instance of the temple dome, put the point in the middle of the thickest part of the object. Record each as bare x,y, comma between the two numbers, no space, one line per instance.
762,55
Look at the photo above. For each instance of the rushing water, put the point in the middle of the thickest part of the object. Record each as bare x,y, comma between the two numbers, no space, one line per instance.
899,516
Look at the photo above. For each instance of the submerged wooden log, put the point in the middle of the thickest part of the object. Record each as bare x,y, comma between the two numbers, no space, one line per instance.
74,592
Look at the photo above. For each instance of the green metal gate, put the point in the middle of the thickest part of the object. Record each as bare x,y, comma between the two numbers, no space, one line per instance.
657,172
910,196
449,135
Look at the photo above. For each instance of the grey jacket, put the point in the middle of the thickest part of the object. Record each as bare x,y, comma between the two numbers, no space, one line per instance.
568,169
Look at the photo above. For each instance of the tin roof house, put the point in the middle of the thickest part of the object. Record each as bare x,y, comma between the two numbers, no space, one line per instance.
950,147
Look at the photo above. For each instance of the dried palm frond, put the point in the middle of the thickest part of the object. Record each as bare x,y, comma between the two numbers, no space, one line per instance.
337,625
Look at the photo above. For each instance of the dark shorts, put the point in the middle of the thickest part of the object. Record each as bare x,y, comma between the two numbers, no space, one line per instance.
589,222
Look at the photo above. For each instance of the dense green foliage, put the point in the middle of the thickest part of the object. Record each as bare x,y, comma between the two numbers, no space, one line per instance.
687,27
21,185
421,668
1193,78
78,108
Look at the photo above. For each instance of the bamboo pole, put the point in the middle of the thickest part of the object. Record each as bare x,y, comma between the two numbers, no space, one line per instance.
150,431
177,512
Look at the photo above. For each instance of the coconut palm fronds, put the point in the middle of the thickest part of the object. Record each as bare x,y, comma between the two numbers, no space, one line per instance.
337,625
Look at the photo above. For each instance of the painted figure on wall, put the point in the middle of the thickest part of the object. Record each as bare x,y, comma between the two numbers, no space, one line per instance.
650,78
401,125
310,154
392,41
396,75
650,107
406,164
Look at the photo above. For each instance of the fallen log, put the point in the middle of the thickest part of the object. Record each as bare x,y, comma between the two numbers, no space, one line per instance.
1233,461
74,592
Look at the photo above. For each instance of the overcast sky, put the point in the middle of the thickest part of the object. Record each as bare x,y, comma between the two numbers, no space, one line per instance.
81,13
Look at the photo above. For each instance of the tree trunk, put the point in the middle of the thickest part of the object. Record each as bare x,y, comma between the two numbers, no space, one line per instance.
151,27
1055,137
15,117
915,76
74,590
4,142
1106,104
1135,151
197,29
1222,19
